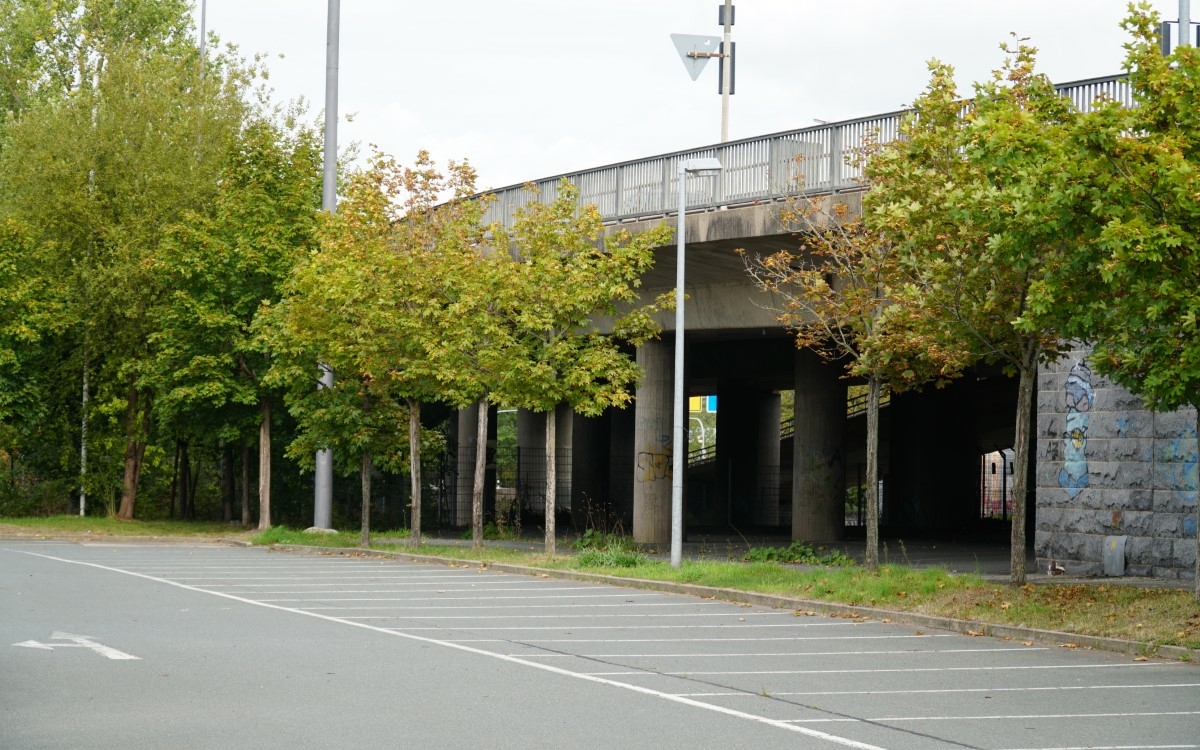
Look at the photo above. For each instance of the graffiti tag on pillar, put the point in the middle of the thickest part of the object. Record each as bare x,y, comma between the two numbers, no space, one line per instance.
653,465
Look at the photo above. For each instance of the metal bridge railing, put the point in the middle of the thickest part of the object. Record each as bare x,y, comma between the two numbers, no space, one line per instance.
813,160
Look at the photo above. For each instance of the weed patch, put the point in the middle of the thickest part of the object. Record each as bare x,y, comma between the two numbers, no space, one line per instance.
798,553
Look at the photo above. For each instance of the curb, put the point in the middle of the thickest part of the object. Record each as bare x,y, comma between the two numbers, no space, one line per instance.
776,601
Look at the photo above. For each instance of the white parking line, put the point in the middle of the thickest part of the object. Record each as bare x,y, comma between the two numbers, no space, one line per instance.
898,652
1113,747
688,626
542,617
783,638
559,597
995,717
460,607
1118,665
1055,688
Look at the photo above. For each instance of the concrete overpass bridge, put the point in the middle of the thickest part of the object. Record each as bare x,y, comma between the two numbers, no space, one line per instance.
619,465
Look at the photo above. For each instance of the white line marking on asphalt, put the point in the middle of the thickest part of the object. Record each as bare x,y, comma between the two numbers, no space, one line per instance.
1115,748
907,670
997,717
539,617
439,598
689,627
829,693
541,594
699,655
78,641
463,607
334,586
366,577
785,638
843,741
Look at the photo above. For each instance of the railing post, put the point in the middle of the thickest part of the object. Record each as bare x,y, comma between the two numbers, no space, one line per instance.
663,203
835,158
619,192
718,189
772,150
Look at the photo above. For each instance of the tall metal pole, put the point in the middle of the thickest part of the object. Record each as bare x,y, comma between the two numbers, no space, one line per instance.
203,13
727,70
678,455
323,491
1185,23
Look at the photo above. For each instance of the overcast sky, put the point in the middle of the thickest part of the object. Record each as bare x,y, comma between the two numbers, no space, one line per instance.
525,89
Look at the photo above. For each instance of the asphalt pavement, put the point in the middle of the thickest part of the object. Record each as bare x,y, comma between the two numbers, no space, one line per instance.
109,645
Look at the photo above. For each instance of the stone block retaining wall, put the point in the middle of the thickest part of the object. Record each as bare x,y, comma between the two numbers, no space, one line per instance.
1109,467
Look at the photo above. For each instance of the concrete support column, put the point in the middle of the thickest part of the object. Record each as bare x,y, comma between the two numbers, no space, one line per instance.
818,466
766,508
652,445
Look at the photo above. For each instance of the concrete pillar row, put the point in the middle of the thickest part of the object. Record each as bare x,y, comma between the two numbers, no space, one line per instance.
652,445
818,468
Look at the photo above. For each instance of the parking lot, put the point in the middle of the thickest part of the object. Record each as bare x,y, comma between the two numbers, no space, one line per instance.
248,647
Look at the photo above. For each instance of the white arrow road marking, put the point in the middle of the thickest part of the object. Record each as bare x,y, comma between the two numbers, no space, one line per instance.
77,641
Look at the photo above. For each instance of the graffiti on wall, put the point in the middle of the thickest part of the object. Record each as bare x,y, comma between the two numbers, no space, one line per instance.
1080,396
653,465
1184,461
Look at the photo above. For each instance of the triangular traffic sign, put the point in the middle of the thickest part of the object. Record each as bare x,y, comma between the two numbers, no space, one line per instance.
695,51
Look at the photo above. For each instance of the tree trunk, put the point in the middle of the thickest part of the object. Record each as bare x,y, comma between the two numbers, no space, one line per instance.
246,484
414,467
871,557
1027,375
193,483
184,481
480,465
174,482
366,500
135,451
264,464
551,480
227,483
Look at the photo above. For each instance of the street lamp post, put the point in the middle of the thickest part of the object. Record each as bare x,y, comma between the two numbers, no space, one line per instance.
700,167
323,479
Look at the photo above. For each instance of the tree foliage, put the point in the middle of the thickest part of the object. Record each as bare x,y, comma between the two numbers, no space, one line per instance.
381,303
961,194
1134,289
845,296
114,132
566,282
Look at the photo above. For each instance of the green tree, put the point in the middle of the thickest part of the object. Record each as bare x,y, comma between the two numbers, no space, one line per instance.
961,195
50,49
94,182
1134,289
382,304
567,282
845,297
219,266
